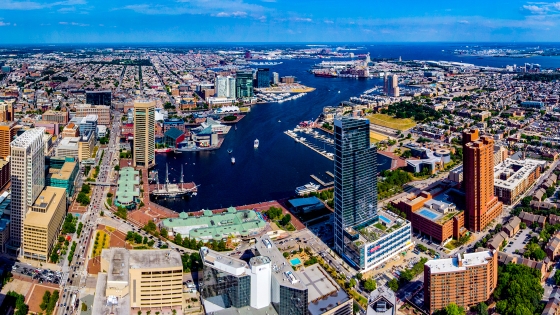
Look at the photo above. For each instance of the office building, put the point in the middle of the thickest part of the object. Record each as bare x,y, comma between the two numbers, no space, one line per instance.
27,169
62,173
382,301
98,97
355,179
263,78
267,283
42,223
482,206
4,173
143,154
58,117
5,201
465,280
103,113
70,130
80,148
513,177
275,78
225,86
139,280
86,123
7,134
244,84
6,111
391,85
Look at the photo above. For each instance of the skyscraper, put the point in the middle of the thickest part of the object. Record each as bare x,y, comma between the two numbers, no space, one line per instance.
391,85
355,178
482,206
143,154
28,177
263,78
225,86
7,133
244,84
99,97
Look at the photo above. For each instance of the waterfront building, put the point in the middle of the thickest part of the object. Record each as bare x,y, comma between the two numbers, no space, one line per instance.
172,137
209,226
275,78
27,170
465,280
86,123
225,87
99,97
143,154
6,111
382,301
59,117
7,134
139,280
513,177
5,201
70,130
263,78
482,206
244,84
103,112
62,173
391,85
42,223
288,79
267,283
128,190
177,123
355,179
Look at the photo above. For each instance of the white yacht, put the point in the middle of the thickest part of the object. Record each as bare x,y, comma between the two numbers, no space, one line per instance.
256,143
306,189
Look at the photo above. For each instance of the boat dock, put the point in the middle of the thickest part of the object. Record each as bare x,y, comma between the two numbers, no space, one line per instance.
321,182
330,174
295,137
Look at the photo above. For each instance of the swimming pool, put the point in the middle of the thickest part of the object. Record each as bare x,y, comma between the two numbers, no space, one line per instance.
384,219
428,214
295,261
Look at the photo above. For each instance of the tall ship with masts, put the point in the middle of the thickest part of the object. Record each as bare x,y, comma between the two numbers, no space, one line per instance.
170,190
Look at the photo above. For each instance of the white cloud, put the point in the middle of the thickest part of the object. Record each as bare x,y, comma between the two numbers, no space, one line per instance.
2,23
463,22
34,5
535,9
328,21
63,23
232,14
300,19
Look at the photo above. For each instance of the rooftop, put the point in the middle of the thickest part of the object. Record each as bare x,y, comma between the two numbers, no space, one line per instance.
223,262
386,224
48,200
453,265
104,306
510,173
26,138
127,190
63,173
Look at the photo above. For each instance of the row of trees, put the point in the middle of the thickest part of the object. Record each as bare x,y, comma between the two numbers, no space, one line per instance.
69,225
49,302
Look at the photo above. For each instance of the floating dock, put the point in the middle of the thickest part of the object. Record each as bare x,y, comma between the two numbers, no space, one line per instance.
330,174
321,182
309,146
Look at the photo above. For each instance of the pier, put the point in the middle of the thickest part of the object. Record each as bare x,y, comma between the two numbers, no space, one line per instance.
321,182
330,174
294,136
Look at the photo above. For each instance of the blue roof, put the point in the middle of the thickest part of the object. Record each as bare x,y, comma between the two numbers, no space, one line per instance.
173,133
4,224
301,202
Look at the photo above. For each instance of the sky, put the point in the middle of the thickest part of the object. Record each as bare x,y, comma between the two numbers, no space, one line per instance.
143,21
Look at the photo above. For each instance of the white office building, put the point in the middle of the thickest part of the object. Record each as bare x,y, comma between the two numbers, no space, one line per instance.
225,86
27,168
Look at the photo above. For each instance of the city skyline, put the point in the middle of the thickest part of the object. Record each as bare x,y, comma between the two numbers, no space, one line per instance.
81,21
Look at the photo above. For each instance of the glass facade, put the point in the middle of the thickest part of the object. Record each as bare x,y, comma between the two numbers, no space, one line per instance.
98,98
224,289
244,84
263,78
355,178
292,301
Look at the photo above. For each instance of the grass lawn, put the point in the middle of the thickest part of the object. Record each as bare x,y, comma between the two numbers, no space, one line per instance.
100,245
376,137
391,122
94,153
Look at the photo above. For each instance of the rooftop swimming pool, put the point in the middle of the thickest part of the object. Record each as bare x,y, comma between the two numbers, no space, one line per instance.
429,214
384,219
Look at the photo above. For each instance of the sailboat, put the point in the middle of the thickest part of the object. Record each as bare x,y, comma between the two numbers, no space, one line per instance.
256,143
229,151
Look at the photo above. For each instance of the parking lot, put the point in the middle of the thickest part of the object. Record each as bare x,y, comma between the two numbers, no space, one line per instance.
41,275
518,242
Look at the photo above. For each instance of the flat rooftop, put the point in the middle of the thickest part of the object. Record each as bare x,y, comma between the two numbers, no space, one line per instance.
386,224
155,258
224,262
64,172
27,137
510,173
319,284
49,199
104,306
452,264
281,268
210,225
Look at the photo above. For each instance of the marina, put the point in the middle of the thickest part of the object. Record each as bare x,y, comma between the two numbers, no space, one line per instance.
316,137
318,180
171,190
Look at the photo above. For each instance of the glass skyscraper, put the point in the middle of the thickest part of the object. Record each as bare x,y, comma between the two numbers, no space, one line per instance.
355,178
263,78
244,84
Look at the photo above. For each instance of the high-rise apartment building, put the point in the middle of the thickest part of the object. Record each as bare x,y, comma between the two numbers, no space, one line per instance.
42,223
355,178
143,154
28,177
275,78
7,134
263,78
465,280
225,86
482,206
391,85
103,113
244,84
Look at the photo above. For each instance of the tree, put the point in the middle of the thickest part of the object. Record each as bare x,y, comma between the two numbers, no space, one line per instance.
393,284
482,308
519,291
370,285
286,219
359,276
117,168
163,232
45,302
150,227
454,309
273,213
138,239
352,283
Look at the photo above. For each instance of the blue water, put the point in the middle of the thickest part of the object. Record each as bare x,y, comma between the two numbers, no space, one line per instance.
280,165
384,219
295,261
428,214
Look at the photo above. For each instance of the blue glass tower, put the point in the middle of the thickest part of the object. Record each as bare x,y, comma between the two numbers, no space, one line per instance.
355,179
